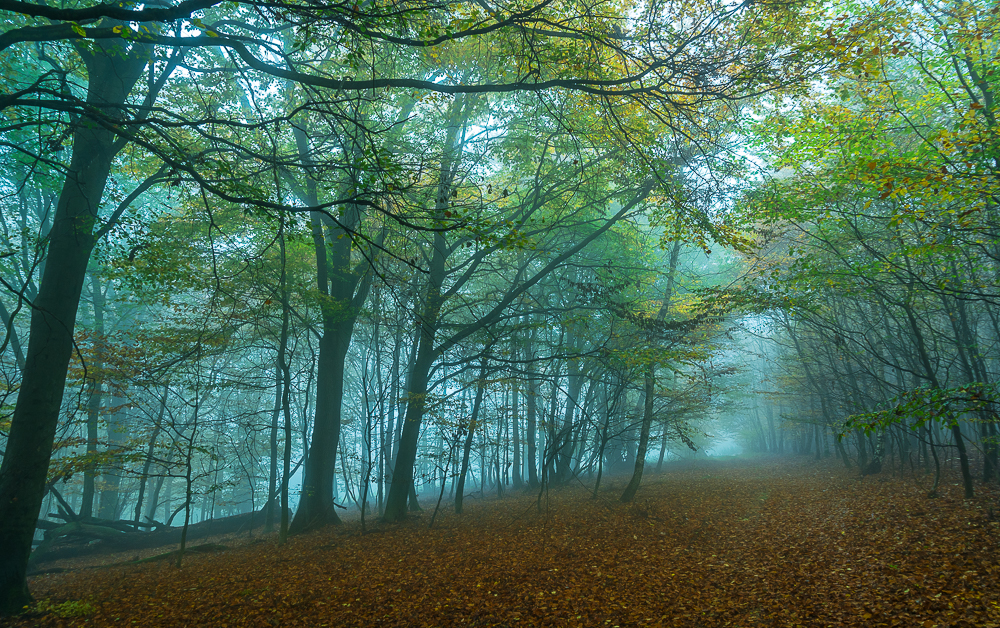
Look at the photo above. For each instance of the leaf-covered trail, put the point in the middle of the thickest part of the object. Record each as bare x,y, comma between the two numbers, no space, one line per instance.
717,544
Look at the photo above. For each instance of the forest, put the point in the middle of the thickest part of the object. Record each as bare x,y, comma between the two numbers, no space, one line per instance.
336,281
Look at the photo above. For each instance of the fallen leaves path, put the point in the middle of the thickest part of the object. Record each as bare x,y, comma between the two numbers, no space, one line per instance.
776,544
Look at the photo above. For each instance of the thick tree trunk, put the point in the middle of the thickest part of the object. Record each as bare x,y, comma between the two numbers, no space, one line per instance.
347,289
406,455
113,70
316,506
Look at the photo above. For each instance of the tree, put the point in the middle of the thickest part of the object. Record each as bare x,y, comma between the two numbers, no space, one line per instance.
193,140
113,68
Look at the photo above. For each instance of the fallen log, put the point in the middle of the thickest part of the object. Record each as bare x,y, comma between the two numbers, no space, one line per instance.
197,549
118,524
73,529
81,538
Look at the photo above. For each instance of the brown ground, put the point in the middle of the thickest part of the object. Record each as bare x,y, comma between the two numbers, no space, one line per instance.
716,544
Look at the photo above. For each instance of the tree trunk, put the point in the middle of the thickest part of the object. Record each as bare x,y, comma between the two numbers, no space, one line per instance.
93,419
151,448
649,386
531,455
515,417
564,439
647,422
272,476
284,363
406,455
117,439
347,289
113,66
96,396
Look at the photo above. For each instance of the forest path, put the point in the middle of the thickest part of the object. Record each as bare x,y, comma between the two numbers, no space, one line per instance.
771,543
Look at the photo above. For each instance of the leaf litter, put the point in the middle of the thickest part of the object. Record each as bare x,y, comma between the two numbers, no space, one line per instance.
706,544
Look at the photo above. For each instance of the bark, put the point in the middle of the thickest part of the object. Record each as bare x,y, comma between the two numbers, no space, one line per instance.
467,445
603,441
515,417
150,449
956,431
531,418
126,538
345,289
402,475
649,388
564,440
96,395
117,439
427,324
113,67
286,387
272,477
647,420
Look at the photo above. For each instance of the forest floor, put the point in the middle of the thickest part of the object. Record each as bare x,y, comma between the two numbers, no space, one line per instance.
727,543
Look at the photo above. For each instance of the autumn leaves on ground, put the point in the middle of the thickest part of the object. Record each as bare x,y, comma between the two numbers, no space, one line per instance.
709,544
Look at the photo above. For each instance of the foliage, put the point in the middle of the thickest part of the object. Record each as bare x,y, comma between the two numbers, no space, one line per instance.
922,405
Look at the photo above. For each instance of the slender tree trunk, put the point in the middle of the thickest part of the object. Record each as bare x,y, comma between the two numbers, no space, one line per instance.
515,417
188,478
402,488
531,455
93,418
390,428
284,364
603,445
649,387
663,449
96,396
937,462
117,438
150,449
406,456
647,421
154,499
429,321
272,477
956,431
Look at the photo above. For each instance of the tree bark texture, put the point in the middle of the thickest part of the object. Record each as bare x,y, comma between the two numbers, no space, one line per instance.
113,69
